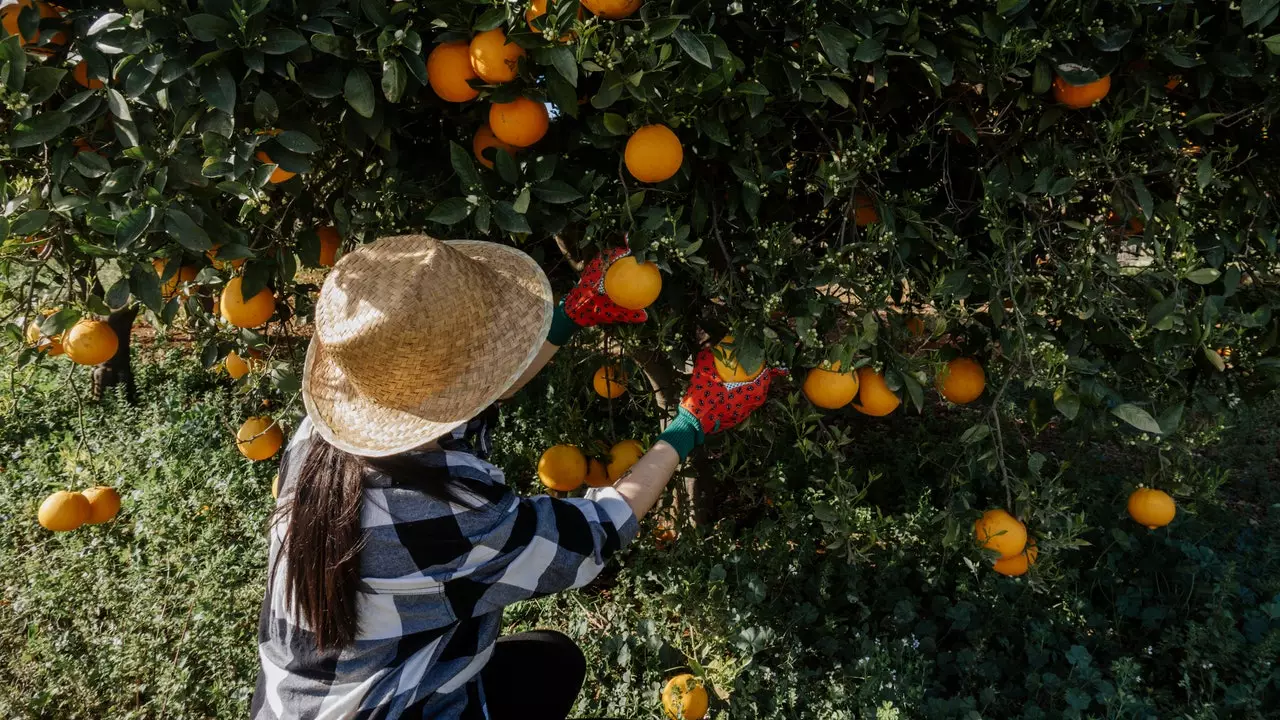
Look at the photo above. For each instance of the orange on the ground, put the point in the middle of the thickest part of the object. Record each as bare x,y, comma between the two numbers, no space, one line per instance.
685,698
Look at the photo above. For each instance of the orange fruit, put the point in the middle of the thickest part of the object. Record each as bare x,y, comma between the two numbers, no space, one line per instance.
874,396
612,9
9,19
1151,507
537,9
728,368
90,342
830,389
245,313
64,511
562,467
915,326
597,476
80,73
610,381
999,531
330,241
621,457
961,381
1018,564
259,438
864,211
1173,82
631,284
104,503
278,175
185,274
485,139
521,122
1080,96
663,534
684,698
449,69
653,154
236,366
493,58
49,345
212,254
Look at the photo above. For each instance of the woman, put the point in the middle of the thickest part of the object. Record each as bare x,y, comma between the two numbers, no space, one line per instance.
395,545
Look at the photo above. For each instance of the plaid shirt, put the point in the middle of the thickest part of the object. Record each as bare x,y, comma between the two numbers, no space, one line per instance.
434,579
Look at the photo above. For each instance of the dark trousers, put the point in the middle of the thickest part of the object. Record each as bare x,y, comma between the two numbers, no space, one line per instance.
533,676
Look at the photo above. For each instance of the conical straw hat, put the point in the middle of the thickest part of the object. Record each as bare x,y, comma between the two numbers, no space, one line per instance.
415,336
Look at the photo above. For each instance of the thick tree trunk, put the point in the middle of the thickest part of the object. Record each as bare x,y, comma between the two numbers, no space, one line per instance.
118,369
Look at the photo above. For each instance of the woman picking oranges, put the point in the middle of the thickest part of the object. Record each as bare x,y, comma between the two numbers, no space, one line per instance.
395,545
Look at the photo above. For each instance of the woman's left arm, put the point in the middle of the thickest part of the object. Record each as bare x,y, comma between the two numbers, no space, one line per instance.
586,305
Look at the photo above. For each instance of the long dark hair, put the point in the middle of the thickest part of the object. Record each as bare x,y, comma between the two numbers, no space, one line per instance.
323,537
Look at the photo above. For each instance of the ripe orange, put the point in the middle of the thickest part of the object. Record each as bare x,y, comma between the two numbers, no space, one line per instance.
278,175
830,389
244,313
64,511
562,467
9,19
999,531
728,368
874,396
80,73
493,58
684,698
104,503
185,274
597,476
1151,507
1173,82
90,342
485,139
212,254
864,211
1080,96
449,69
330,241
622,456
521,122
612,9
631,284
259,438
537,9
49,345
236,366
1018,564
653,154
961,381
610,381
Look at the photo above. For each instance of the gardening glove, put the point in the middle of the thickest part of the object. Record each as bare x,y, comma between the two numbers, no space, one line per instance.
712,405
587,305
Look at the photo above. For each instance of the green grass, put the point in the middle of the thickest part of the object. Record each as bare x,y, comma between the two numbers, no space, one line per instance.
855,594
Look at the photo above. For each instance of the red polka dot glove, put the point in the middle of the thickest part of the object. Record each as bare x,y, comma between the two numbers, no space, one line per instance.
711,405
587,305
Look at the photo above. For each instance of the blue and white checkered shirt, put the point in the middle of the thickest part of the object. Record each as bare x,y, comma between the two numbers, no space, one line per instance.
434,579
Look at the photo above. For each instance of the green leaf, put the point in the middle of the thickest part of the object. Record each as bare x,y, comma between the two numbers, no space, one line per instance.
133,225
504,213
358,90
506,166
663,27
1143,195
462,163
29,223
265,110
1203,276
835,42
39,129
1273,44
207,28
394,78
615,124
281,41
1136,417
218,89
42,83
1252,11
185,231
90,164
1214,359
869,50
1204,171
1061,186
556,192
297,141
450,212
833,91
562,59
146,286
1161,310
118,294
1067,402
693,47
521,205
117,105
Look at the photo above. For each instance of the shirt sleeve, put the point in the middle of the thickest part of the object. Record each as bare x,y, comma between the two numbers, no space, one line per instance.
538,546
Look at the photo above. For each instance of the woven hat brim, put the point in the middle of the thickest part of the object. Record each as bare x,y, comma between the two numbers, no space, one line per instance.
522,307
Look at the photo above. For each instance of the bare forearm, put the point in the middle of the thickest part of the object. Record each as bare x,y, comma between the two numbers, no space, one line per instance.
645,482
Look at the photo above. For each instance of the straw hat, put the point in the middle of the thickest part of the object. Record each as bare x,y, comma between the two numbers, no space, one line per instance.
415,336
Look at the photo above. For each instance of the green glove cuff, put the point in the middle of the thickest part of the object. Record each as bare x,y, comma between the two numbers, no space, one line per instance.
562,327
684,433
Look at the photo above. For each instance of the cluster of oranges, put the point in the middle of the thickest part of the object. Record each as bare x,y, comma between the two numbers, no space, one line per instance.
66,510
565,468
